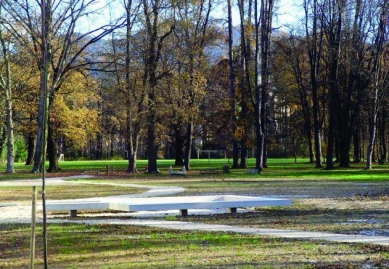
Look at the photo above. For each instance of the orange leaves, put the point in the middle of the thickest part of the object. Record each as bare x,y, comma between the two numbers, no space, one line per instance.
75,111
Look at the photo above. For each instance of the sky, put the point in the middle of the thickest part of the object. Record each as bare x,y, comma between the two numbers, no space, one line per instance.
288,13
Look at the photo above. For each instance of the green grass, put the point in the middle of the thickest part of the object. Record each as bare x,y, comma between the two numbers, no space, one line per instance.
278,168
55,192
355,194
112,246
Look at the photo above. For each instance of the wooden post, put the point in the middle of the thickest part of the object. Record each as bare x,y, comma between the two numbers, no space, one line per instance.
184,212
233,210
33,226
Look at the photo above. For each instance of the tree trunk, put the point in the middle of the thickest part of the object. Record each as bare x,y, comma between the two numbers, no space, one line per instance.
111,150
152,149
333,32
259,140
244,116
372,131
357,142
307,123
332,128
188,147
245,86
7,87
266,31
314,37
10,136
382,135
3,138
235,150
377,55
132,146
30,148
132,142
243,153
52,155
133,125
42,123
150,79
178,146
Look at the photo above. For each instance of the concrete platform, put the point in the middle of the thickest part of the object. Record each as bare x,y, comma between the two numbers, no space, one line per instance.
182,203
73,206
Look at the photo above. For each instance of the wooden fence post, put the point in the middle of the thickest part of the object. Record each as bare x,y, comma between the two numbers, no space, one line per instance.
33,226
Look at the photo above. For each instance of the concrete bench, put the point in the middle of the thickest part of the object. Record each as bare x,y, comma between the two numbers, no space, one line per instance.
252,171
208,171
92,172
73,206
181,203
182,172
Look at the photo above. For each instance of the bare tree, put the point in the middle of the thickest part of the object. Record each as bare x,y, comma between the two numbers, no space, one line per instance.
314,41
377,75
133,123
333,19
192,40
292,49
232,86
266,19
48,30
155,36
58,49
6,86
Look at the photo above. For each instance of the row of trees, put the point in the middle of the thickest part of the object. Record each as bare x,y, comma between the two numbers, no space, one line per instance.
172,74
339,69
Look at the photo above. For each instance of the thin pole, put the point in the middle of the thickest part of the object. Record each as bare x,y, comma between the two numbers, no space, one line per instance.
44,8
33,228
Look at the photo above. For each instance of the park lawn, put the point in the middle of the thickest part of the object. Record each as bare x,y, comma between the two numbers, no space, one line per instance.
278,168
57,192
119,246
350,201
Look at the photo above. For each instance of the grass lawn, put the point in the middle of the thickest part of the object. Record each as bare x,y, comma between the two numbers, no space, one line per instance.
111,246
352,201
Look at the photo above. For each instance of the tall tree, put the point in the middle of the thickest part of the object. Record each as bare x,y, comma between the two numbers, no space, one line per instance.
314,40
333,19
133,122
155,36
126,76
246,67
266,20
6,86
377,85
232,86
58,49
193,32
352,87
292,49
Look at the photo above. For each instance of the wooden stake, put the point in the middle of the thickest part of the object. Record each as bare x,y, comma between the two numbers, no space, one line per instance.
33,226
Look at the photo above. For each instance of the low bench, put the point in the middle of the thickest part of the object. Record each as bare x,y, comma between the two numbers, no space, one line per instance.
73,206
208,171
92,172
181,203
252,171
182,172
